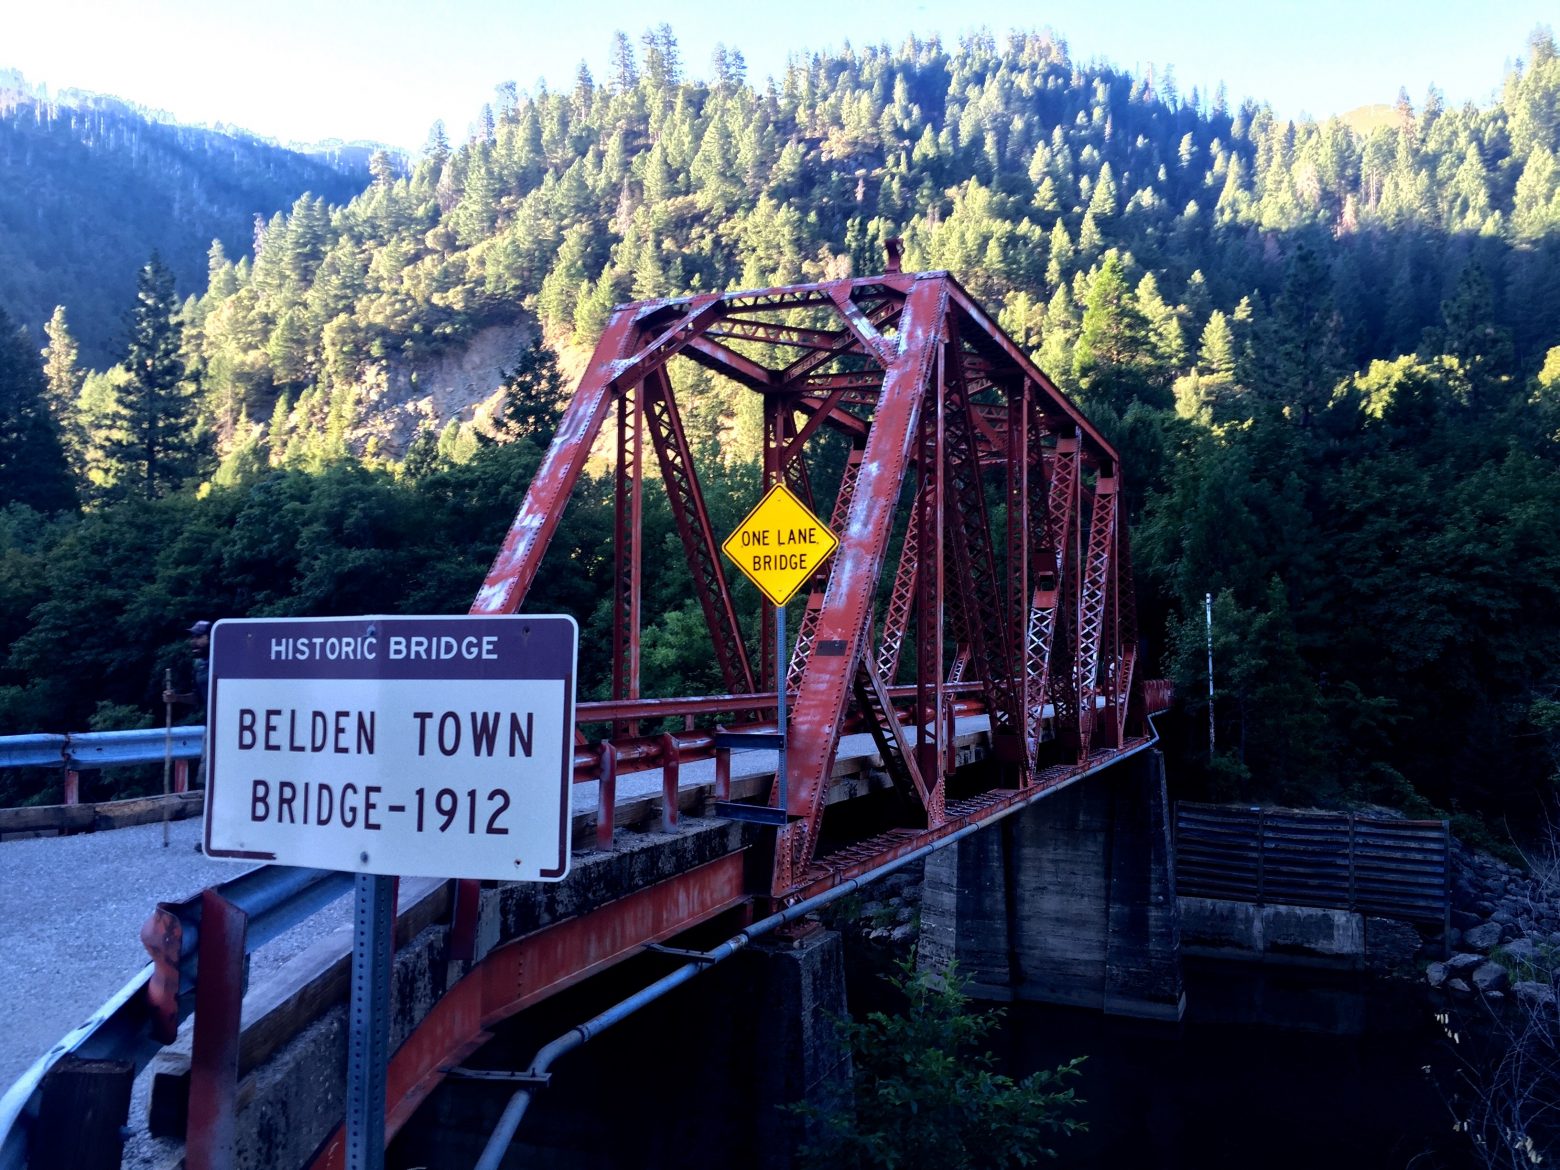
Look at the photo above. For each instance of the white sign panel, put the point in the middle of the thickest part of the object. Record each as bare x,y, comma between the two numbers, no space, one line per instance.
435,747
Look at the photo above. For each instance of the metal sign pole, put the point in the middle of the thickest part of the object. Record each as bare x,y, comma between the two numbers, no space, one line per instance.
368,1037
782,669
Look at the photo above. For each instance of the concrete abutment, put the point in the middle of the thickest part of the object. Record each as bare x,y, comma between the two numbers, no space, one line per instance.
1071,901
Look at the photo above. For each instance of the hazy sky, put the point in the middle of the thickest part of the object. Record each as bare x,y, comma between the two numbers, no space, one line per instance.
384,70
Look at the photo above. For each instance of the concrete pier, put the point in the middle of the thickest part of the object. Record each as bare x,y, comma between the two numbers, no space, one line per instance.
1071,901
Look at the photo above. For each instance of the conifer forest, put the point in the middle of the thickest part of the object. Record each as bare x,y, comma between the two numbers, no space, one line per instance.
1329,353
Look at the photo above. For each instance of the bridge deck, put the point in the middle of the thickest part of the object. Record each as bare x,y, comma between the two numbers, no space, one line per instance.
70,927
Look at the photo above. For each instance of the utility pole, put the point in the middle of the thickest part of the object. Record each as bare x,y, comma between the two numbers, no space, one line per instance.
1208,611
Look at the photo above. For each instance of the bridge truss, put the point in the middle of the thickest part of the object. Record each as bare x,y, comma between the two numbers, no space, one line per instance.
983,561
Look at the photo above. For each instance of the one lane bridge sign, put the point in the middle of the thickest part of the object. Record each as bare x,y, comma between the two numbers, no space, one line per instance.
780,545
413,746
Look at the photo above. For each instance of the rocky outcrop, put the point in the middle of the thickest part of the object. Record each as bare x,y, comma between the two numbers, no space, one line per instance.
1506,925
400,397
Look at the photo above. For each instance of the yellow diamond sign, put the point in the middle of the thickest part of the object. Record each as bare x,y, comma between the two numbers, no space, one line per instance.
780,545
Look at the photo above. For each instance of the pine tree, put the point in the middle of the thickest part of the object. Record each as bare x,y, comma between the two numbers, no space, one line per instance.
60,371
33,470
154,447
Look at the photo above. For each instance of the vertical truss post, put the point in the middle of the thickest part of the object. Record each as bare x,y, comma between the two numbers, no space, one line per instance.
628,528
990,637
1040,613
1129,703
1018,539
1063,522
930,696
698,537
1093,613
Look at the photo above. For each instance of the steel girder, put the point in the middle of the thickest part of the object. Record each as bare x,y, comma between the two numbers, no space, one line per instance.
970,496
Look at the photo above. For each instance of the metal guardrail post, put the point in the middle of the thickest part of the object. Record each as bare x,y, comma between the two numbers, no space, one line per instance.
219,997
669,779
606,796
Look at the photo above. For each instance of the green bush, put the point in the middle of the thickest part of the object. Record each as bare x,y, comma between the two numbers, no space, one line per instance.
928,1098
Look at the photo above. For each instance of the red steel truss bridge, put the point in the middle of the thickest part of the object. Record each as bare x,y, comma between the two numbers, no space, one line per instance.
983,564
982,589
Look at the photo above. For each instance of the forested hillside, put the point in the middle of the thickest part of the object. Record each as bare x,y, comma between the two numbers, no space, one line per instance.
1331,360
89,185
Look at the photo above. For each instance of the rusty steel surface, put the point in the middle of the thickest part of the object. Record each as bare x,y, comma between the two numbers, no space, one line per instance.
529,969
219,995
896,402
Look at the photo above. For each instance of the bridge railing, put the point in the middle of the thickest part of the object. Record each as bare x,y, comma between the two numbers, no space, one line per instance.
78,751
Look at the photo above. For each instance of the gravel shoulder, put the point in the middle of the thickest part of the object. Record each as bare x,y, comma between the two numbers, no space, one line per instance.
70,923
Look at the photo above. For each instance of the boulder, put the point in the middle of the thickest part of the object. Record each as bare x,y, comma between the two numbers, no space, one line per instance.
1521,950
1459,964
1534,994
1489,977
1482,937
1458,986
1435,974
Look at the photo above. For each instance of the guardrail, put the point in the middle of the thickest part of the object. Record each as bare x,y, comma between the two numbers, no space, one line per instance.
77,751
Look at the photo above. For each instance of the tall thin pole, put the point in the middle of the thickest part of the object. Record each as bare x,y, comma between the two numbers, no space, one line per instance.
782,669
167,750
1208,610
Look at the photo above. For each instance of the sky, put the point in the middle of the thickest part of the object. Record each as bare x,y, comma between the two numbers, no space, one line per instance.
384,70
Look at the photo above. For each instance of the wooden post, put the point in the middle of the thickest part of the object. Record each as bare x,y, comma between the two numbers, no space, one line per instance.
85,1106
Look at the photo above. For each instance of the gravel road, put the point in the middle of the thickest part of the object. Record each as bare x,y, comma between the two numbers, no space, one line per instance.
71,918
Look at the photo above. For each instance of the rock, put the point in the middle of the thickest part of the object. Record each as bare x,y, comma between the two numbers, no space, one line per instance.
1458,964
904,932
1435,974
1534,994
1521,950
1503,916
1489,977
1482,937
1462,919
1458,986
1484,907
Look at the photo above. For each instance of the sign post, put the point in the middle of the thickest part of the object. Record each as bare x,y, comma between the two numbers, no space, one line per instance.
779,547
384,747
